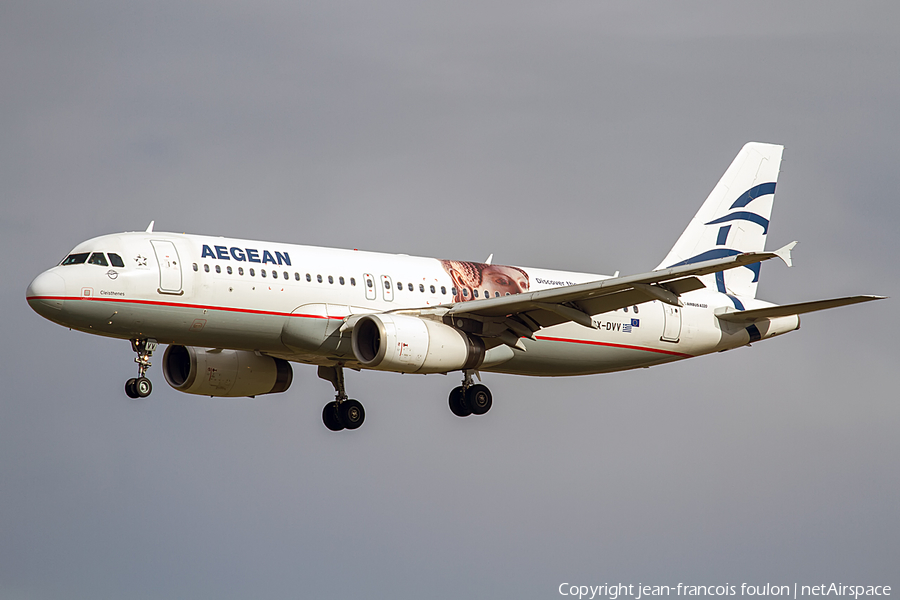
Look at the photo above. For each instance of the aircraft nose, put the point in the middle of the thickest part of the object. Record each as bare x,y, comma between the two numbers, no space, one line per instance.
46,292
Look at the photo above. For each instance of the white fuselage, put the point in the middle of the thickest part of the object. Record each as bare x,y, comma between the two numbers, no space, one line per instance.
289,301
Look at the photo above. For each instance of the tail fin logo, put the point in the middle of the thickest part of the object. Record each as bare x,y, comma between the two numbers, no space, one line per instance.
734,219
763,189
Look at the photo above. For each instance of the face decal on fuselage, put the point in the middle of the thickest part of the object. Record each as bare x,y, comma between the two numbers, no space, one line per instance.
480,280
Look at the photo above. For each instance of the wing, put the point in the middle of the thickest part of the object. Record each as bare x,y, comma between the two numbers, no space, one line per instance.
512,317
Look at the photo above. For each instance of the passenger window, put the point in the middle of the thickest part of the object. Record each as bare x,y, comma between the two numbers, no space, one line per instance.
635,309
443,290
496,294
252,272
196,268
97,258
410,287
117,261
75,259
240,270
228,270
625,309
218,269
341,280
297,276
466,292
399,286
308,277
387,284
352,281
474,293
421,288
262,272
369,283
206,268
453,290
319,278
330,279
285,275
432,289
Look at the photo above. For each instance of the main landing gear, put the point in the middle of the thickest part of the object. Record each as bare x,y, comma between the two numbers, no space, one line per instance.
343,413
470,399
140,387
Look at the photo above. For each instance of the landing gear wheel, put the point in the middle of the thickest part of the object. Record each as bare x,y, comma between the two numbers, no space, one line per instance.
458,404
331,418
478,399
142,387
352,413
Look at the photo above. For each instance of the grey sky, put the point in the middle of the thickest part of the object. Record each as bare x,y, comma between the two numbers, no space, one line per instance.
577,135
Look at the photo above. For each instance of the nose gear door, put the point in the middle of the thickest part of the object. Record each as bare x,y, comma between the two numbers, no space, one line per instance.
169,267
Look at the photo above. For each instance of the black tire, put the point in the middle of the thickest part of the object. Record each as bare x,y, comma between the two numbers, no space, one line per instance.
458,404
142,387
352,413
130,391
331,418
479,399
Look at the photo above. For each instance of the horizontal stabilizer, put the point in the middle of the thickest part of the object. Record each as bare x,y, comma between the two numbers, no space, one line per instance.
747,316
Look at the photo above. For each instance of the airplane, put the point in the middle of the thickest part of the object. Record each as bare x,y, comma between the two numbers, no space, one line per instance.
235,313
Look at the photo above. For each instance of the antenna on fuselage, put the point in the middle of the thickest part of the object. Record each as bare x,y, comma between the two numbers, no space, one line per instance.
487,262
150,227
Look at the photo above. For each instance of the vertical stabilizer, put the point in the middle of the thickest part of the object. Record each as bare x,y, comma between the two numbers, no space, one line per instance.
734,219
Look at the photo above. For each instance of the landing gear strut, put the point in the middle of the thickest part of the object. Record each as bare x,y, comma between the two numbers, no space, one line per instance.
140,387
470,398
343,413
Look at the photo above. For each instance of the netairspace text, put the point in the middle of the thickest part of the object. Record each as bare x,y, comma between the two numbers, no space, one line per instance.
640,591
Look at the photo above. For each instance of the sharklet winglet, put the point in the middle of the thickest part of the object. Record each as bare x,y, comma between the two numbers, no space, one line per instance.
784,253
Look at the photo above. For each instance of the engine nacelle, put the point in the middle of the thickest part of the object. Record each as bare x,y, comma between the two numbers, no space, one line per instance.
225,372
407,344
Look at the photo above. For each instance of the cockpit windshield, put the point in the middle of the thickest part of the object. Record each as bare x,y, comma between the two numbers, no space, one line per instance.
75,259
96,258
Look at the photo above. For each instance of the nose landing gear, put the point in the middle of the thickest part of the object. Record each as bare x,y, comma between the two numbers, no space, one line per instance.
470,399
140,386
343,413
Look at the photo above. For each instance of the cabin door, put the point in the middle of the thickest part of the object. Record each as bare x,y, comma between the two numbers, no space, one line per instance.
169,267
671,323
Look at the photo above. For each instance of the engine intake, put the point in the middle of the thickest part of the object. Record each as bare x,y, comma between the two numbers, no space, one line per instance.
225,372
407,344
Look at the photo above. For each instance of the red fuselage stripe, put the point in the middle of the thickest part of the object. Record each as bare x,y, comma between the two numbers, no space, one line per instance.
307,316
625,346
183,305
